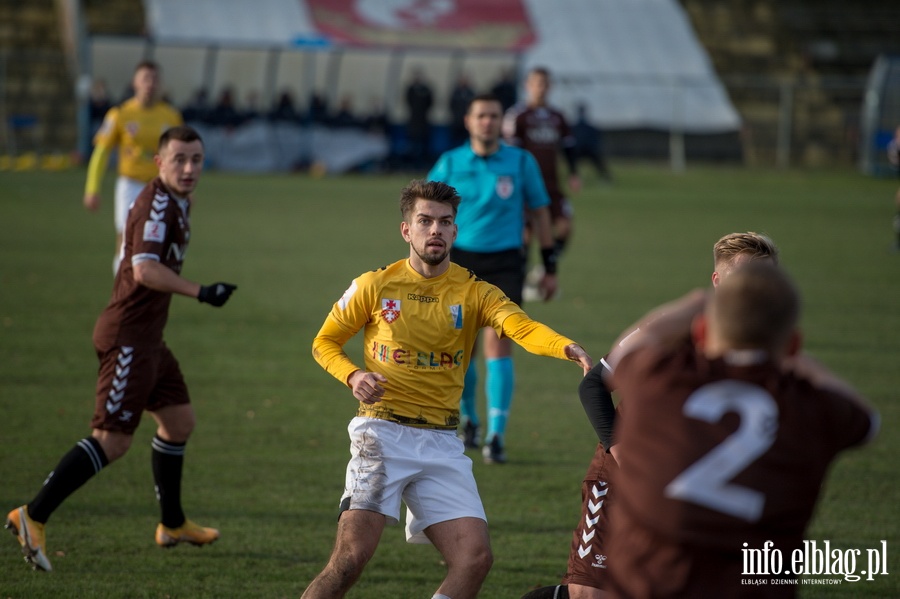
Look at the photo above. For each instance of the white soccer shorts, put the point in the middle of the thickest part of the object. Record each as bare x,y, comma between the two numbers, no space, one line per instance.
426,468
127,191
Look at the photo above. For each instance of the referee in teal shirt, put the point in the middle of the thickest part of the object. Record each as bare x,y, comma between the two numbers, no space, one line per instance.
500,187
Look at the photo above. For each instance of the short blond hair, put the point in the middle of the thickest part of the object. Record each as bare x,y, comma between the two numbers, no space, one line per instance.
751,244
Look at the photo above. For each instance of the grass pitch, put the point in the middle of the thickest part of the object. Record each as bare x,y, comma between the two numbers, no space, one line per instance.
266,462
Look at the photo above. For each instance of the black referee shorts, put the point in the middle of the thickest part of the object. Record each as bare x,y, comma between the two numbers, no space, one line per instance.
504,269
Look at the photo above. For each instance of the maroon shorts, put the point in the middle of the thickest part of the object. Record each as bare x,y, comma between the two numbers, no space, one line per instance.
132,380
588,557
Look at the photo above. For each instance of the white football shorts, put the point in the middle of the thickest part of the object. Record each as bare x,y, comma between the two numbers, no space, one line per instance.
127,191
426,468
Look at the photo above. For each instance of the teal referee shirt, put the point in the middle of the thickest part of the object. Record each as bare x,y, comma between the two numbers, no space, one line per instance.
495,192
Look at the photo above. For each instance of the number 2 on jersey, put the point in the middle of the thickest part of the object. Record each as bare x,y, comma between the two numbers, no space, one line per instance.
705,482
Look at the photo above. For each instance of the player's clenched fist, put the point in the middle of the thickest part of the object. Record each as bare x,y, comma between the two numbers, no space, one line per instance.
216,294
367,386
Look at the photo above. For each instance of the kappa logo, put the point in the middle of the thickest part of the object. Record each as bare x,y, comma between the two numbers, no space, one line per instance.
120,381
390,310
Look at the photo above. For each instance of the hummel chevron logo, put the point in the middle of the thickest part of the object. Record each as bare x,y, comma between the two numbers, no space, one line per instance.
125,358
120,381
591,521
154,215
160,201
595,507
583,551
597,492
585,536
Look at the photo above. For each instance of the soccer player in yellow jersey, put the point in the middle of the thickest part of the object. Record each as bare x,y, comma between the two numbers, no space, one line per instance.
420,319
134,127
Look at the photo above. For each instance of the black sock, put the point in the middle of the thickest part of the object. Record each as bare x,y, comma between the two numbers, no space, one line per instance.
559,591
168,459
75,468
559,244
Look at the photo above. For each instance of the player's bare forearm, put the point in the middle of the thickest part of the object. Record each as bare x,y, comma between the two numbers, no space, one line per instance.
160,277
543,226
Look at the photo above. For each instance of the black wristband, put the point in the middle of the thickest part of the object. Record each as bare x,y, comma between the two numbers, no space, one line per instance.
548,256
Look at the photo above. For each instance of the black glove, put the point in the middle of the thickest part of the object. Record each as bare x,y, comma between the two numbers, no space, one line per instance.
216,294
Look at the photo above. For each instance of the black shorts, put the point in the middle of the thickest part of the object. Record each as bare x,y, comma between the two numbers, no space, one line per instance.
504,269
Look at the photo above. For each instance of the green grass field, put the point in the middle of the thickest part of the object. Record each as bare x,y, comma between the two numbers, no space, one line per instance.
266,462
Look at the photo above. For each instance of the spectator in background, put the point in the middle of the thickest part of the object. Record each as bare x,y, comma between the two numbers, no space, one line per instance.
283,110
419,100
251,111
893,152
134,128
99,104
345,117
589,143
318,109
505,89
225,113
377,120
460,98
197,109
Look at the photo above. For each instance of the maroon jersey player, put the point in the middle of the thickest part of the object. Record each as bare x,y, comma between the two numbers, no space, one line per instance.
724,438
542,130
138,372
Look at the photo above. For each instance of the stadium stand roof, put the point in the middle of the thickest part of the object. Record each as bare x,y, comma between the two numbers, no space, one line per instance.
632,63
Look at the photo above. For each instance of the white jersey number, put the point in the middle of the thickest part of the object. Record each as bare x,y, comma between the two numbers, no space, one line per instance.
705,482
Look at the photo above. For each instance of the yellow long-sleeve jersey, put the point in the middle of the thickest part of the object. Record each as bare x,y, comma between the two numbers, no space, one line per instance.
419,333
135,130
